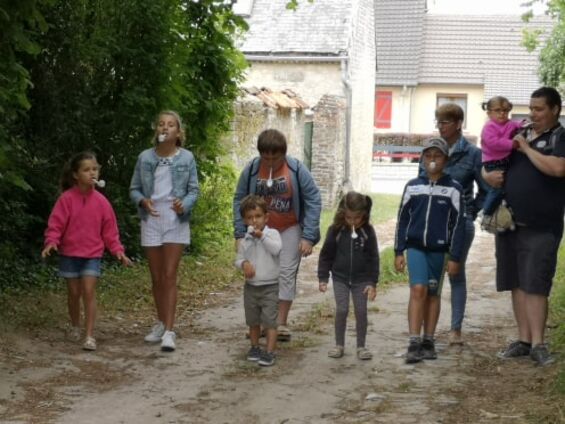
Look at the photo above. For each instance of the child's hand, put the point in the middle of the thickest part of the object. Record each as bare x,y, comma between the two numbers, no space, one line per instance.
123,259
453,268
258,233
399,263
177,207
147,204
371,292
323,287
47,250
248,269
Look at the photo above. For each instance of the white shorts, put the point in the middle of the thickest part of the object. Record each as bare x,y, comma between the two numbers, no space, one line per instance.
165,228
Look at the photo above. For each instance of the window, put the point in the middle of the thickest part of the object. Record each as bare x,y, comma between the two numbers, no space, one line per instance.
383,109
458,99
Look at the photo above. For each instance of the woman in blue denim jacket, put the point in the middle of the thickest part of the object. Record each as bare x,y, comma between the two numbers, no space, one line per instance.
464,166
164,187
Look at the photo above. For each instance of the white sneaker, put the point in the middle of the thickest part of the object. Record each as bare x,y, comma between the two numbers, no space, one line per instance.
89,343
168,341
156,333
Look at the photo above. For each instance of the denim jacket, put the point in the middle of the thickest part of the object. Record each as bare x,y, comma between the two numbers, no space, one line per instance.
464,166
184,176
306,199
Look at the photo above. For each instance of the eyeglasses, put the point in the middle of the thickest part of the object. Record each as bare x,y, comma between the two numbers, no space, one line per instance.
499,110
443,123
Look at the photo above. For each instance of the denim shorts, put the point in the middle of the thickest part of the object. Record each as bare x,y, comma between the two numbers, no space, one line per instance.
73,267
426,268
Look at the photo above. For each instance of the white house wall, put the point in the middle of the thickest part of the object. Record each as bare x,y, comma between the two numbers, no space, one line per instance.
362,68
425,100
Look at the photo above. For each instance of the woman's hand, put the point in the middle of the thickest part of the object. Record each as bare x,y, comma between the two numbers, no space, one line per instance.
177,207
147,204
323,287
370,292
453,268
305,248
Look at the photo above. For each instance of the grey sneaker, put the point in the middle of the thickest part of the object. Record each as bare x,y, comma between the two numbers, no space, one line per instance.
156,333
267,359
541,355
515,350
413,354
168,341
428,349
254,354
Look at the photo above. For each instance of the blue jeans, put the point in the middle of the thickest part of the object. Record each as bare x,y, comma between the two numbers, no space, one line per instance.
459,282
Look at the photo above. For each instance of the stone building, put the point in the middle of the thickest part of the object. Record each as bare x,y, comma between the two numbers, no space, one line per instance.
325,52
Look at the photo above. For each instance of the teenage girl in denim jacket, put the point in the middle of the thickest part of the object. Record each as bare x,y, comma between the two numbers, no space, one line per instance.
164,187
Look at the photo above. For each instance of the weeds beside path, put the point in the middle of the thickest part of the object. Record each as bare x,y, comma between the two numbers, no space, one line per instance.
44,379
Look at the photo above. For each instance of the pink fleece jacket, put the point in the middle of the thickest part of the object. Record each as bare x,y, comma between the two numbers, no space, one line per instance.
81,224
496,139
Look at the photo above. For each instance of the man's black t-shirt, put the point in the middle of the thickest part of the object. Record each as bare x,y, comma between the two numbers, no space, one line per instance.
537,200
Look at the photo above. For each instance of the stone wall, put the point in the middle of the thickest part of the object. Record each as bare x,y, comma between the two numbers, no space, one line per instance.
328,147
251,117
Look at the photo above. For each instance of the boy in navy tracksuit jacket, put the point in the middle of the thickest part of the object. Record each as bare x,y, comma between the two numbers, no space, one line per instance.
431,229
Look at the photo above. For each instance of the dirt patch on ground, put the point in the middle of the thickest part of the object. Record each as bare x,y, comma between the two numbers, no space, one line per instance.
46,379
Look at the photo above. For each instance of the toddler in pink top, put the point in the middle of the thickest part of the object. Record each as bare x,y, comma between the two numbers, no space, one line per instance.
496,145
82,223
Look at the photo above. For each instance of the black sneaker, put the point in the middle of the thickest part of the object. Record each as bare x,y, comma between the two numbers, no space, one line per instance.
541,355
254,354
515,350
267,359
428,349
414,353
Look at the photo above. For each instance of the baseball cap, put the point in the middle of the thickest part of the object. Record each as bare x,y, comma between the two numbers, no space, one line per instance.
438,143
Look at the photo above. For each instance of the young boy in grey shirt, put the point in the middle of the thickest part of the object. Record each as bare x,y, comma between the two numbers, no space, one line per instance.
258,257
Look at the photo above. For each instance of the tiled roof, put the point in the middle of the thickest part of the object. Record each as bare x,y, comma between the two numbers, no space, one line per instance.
414,47
320,28
399,26
481,50
285,99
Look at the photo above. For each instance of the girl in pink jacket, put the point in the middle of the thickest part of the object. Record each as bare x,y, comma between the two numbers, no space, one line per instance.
82,223
497,144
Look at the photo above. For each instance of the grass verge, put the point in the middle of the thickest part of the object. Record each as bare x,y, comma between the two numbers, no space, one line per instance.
557,317
125,293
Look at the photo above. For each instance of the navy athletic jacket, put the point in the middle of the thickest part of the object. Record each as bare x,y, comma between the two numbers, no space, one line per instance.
431,217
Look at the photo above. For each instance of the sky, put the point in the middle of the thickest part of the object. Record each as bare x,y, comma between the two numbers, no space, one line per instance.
480,7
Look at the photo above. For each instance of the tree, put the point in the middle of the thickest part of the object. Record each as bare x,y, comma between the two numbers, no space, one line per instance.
93,74
552,56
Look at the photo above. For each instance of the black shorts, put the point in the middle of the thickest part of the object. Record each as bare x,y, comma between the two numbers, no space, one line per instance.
526,259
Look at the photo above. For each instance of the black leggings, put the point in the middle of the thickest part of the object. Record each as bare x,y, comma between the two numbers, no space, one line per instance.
341,292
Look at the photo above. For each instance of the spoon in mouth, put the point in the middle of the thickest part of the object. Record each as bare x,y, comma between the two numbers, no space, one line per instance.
100,183
270,180
353,233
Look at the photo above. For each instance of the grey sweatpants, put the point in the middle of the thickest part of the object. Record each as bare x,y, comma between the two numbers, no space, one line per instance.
341,293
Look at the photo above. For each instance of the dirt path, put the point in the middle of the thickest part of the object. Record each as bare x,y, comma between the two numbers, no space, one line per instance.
44,379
